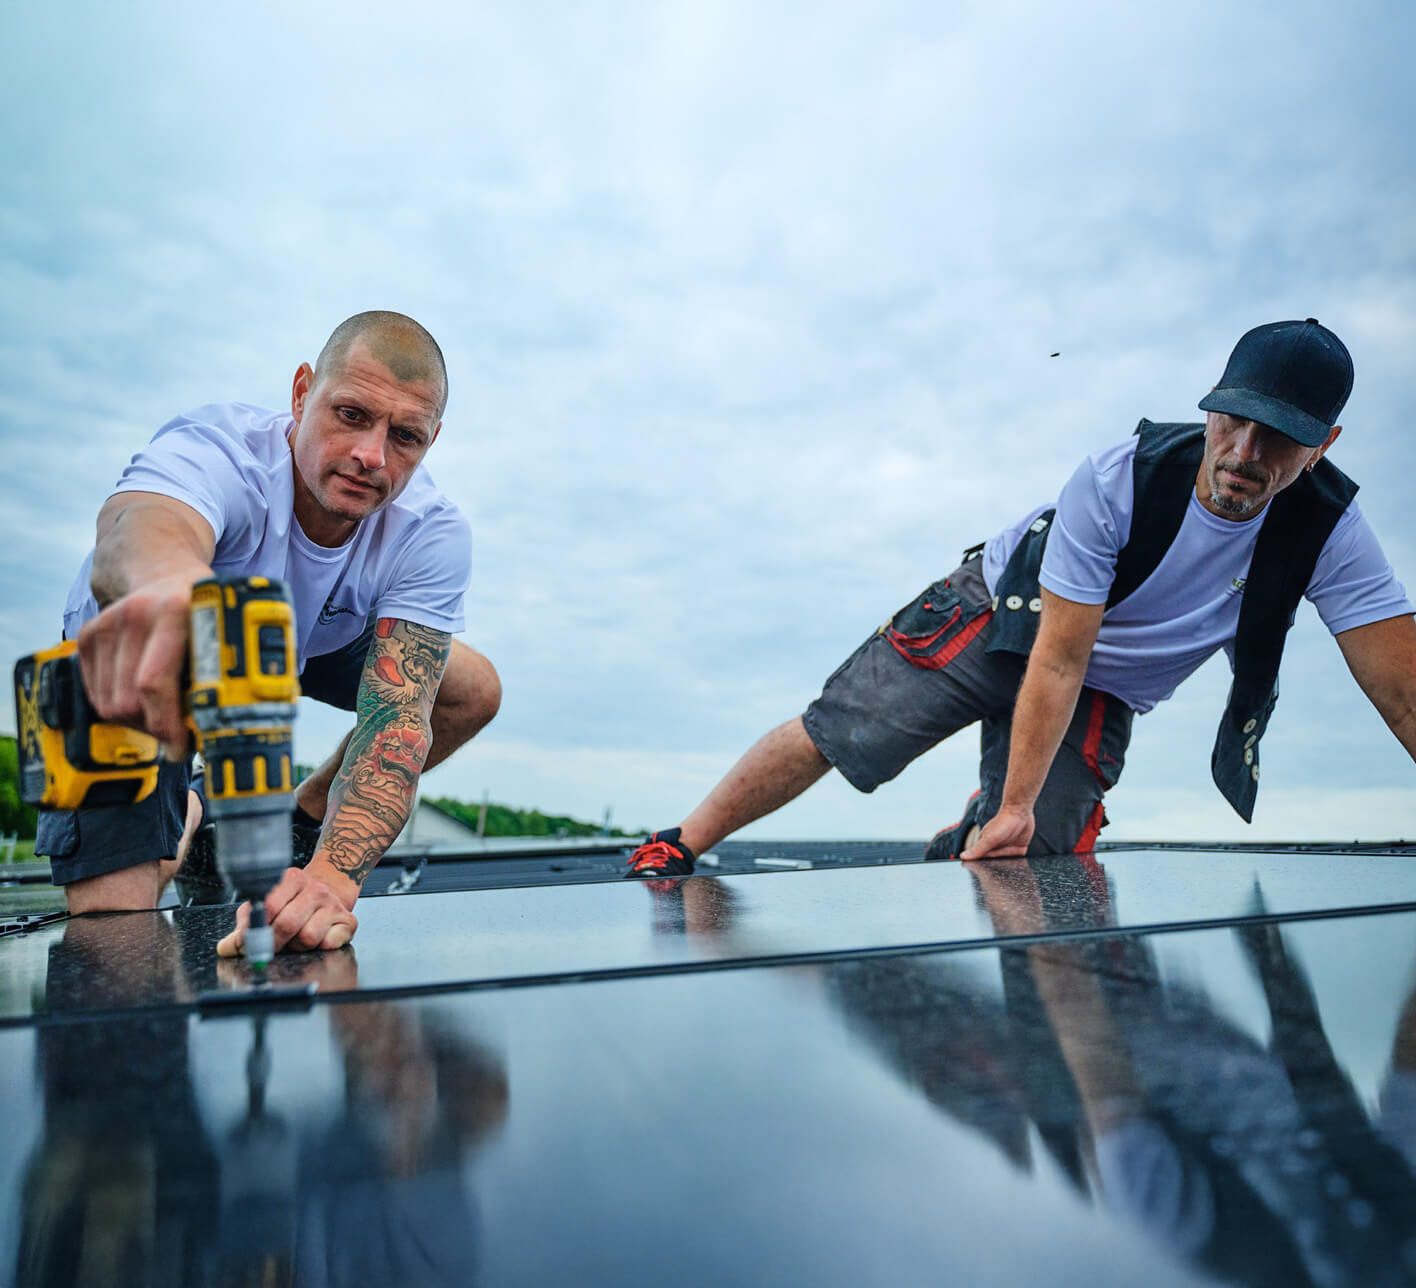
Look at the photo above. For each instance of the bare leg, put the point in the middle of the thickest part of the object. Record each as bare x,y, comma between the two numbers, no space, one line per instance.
124,891
776,769
313,792
468,698
139,886
168,868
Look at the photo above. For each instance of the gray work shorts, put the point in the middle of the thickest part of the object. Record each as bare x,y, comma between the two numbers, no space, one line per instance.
91,842
926,674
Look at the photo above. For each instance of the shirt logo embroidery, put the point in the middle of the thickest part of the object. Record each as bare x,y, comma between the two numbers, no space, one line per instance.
329,612
1237,584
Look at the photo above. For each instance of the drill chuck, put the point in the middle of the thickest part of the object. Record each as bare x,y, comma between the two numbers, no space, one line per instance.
253,844
248,755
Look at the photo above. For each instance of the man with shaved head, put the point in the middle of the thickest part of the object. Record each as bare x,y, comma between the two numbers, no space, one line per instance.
331,498
398,342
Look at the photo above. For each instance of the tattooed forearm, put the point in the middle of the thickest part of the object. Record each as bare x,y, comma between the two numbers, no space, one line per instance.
373,792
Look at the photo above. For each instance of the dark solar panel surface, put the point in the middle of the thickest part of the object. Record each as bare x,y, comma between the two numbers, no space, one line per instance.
1163,1067
496,936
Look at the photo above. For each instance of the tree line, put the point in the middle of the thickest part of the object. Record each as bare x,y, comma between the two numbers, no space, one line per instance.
503,820
15,815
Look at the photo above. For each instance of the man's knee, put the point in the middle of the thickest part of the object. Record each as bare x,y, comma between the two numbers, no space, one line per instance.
469,696
127,890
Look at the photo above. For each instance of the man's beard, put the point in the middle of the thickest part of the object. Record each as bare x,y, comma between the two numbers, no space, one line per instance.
1236,505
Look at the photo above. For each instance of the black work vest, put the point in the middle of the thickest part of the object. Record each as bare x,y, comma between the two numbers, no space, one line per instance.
1298,524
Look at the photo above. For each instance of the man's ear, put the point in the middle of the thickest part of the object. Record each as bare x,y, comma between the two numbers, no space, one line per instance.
300,390
437,429
1328,442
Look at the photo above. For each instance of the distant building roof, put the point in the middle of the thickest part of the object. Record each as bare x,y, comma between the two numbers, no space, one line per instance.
429,826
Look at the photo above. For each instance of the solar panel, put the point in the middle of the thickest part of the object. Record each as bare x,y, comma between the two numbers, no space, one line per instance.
500,936
1071,1104
1163,1067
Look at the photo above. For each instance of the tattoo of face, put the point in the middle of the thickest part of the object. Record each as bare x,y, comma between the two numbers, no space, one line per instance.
374,789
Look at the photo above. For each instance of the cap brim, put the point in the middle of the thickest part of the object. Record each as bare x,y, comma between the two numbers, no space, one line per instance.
1297,425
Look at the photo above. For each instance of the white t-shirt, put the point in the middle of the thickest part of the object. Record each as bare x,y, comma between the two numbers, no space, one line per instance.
1189,606
231,463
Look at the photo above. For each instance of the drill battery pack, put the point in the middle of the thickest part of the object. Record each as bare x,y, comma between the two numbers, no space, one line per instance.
69,758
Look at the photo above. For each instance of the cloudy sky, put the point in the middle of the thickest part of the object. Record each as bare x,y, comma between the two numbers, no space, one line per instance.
748,310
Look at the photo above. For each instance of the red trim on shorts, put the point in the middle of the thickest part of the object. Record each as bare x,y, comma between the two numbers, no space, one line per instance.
950,651
1091,746
924,641
1087,840
1091,753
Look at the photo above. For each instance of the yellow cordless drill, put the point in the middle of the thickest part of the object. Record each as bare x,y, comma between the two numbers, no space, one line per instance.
240,703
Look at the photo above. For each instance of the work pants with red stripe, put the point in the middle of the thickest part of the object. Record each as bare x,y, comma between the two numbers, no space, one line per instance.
927,674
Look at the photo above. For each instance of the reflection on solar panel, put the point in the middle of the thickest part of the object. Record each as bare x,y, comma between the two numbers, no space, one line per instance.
1159,1065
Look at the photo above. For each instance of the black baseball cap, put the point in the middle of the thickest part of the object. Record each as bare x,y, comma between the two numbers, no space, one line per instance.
1292,376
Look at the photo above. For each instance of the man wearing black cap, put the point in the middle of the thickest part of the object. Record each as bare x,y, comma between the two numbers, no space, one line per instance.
1184,539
